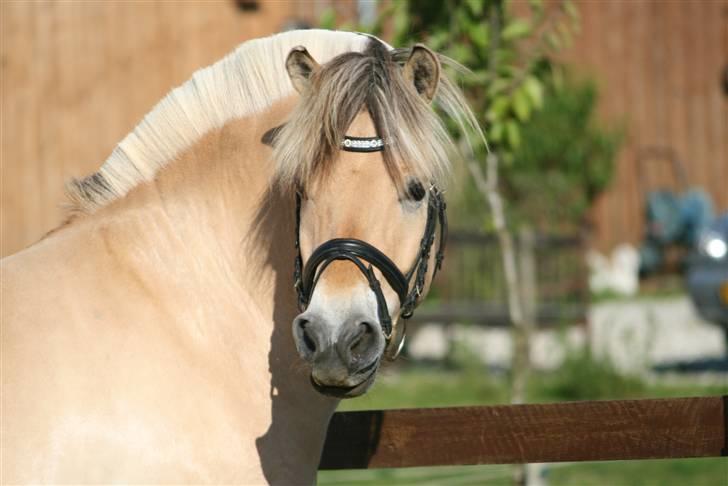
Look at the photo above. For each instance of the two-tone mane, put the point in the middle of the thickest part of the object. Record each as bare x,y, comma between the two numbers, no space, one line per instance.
250,79
246,81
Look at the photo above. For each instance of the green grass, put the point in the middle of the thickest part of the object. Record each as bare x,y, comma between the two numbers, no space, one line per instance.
580,378
421,476
678,472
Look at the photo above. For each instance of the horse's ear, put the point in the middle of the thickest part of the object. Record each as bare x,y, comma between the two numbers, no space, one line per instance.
300,66
422,69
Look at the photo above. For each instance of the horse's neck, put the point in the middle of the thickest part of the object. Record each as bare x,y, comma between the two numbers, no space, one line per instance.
210,222
207,220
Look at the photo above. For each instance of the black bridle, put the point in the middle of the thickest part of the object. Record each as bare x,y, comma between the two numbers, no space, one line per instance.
408,287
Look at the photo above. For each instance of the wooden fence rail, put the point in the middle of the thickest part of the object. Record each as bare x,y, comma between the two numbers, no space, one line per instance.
575,431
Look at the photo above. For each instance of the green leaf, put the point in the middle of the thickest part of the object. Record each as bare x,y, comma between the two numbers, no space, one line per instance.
513,134
437,40
533,87
479,35
328,19
521,104
497,86
461,53
571,10
516,29
498,108
476,6
495,133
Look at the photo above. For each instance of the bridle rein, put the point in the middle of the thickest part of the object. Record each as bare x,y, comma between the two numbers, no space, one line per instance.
366,257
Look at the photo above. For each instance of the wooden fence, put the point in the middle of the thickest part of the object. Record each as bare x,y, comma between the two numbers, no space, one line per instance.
576,431
471,286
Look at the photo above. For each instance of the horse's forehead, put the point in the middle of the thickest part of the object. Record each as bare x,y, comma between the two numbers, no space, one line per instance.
357,185
358,176
362,126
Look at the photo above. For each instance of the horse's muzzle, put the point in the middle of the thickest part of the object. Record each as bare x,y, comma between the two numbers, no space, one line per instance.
344,358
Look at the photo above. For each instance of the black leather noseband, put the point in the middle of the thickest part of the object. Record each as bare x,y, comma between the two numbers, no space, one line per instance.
367,257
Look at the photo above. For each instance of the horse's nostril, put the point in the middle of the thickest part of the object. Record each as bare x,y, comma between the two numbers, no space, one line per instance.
308,341
309,335
362,339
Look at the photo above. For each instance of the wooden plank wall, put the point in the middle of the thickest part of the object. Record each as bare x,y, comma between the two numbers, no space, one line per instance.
659,64
77,76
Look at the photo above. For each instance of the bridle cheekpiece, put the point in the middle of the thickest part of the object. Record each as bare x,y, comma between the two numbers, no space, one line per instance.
366,257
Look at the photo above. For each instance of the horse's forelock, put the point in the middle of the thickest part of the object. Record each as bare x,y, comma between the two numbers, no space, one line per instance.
416,141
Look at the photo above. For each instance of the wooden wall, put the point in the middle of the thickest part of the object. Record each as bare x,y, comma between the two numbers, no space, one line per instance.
76,76
659,64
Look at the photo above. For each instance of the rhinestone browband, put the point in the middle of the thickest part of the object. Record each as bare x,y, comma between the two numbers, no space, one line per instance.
362,144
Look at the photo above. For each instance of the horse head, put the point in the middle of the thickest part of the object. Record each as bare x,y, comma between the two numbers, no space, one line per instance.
365,154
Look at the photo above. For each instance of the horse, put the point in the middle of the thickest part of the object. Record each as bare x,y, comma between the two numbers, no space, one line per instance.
243,260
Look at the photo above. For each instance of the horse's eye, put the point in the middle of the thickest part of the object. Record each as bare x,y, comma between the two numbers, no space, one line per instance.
415,190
